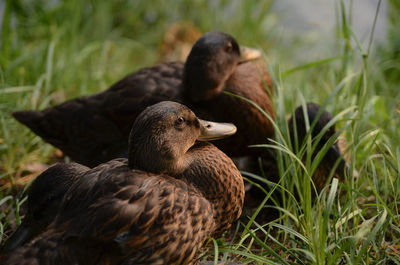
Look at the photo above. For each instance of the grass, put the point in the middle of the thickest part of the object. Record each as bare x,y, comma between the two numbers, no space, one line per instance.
52,51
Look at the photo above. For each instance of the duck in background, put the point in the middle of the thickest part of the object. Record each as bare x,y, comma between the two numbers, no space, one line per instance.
156,207
333,159
333,163
44,199
95,129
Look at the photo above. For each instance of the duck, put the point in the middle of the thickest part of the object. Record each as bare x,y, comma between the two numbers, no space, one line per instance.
47,191
333,163
95,129
158,206
44,199
333,160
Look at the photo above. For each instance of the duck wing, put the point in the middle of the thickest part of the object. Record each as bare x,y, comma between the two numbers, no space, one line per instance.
94,129
147,217
44,199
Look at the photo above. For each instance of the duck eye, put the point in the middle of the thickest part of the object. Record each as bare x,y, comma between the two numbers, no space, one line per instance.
179,121
228,47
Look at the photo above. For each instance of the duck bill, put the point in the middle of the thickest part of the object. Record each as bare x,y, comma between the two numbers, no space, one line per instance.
215,130
248,54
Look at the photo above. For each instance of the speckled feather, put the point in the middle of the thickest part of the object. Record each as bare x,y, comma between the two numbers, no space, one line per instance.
139,217
117,213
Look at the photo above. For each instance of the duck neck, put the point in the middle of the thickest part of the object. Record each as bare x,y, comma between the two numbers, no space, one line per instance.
218,180
154,158
202,81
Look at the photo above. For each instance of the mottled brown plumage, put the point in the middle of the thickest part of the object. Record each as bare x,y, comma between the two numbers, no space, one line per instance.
44,199
95,129
117,213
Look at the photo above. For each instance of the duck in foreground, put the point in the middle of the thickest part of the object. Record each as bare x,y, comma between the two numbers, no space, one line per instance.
95,129
156,207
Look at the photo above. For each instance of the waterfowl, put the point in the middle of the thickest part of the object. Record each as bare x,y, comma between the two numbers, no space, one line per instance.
333,159
297,125
44,199
95,129
156,207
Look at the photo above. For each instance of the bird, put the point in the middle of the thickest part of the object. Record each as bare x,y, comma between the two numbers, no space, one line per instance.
95,129
44,199
47,191
297,124
333,159
157,206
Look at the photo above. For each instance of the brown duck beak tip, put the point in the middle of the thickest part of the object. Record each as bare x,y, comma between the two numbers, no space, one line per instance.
215,130
248,54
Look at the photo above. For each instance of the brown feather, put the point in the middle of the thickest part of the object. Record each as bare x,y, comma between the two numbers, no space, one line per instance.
116,214
95,129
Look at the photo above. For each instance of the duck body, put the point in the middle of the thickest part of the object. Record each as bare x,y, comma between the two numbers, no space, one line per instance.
128,212
333,159
126,218
332,163
44,199
116,215
95,129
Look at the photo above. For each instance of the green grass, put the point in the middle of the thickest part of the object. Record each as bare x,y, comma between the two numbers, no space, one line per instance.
52,51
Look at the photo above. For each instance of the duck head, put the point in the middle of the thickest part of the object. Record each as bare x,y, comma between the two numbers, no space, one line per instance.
211,62
163,135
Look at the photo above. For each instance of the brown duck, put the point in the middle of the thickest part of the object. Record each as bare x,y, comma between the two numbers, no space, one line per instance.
297,125
49,188
95,129
44,199
157,207
318,119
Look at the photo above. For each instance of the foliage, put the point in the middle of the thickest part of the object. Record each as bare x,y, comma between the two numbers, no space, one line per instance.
52,51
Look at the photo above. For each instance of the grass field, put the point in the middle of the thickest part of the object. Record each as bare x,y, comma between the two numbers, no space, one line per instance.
52,51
